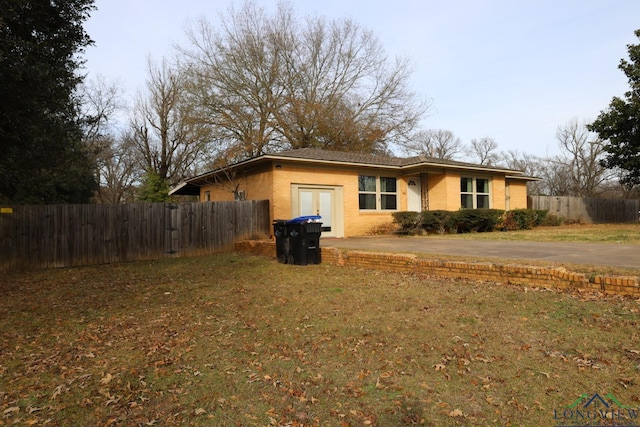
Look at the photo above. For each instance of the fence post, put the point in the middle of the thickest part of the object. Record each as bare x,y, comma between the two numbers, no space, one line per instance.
171,229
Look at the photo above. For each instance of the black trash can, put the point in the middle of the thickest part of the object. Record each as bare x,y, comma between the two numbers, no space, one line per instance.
304,240
283,246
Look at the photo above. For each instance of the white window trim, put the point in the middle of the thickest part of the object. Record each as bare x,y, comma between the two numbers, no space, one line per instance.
474,193
378,193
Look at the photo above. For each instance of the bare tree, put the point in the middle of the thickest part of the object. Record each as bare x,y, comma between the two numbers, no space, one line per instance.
233,81
269,82
341,89
554,173
582,152
556,177
100,101
617,187
530,165
163,133
436,143
483,150
117,170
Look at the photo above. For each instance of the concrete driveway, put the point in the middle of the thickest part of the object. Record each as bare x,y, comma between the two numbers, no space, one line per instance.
604,254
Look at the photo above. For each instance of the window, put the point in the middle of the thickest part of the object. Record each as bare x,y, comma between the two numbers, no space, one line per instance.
377,193
367,192
240,195
388,197
474,193
207,196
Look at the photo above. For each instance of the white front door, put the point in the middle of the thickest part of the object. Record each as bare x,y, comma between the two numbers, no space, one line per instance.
317,202
414,194
320,201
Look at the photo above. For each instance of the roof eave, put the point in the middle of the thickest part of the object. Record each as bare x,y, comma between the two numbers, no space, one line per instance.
524,178
185,188
418,165
464,167
396,167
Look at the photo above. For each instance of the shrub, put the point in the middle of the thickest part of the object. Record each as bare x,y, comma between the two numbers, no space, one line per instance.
552,220
541,216
472,220
523,219
475,220
435,221
409,222
508,223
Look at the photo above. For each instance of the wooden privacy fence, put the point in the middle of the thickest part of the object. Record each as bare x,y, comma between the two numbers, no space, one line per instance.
72,235
588,210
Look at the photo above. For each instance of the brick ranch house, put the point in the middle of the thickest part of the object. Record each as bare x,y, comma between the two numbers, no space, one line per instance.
356,193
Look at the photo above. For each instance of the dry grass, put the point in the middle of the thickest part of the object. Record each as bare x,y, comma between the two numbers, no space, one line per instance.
587,233
242,340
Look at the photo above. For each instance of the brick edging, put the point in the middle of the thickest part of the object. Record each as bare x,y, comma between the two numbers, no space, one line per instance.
545,277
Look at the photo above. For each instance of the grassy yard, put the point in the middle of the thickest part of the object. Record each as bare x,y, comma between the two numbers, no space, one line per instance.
233,340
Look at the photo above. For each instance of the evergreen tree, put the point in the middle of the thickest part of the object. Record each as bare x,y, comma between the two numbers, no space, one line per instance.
620,123
154,188
43,159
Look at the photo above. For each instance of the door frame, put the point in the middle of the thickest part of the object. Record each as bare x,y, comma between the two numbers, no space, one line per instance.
337,226
413,182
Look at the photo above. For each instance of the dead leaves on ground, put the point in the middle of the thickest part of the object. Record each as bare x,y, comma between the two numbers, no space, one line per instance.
266,345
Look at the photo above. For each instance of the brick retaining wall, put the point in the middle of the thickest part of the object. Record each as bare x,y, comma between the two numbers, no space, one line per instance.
546,277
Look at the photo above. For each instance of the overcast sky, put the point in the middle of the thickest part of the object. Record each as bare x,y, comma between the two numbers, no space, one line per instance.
512,70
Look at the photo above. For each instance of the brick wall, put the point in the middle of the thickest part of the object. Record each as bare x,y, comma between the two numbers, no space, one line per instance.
517,194
544,277
257,186
356,222
441,190
498,193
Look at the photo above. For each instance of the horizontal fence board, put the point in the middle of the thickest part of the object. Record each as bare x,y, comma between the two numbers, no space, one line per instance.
50,236
589,210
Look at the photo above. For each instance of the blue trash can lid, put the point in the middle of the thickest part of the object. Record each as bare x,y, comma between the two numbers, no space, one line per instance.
303,219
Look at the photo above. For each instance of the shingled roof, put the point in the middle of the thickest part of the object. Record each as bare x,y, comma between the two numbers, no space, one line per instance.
316,155
343,157
375,159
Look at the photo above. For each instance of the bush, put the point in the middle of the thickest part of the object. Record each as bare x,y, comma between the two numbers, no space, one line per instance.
435,221
508,223
522,219
475,220
472,220
409,222
541,216
552,220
